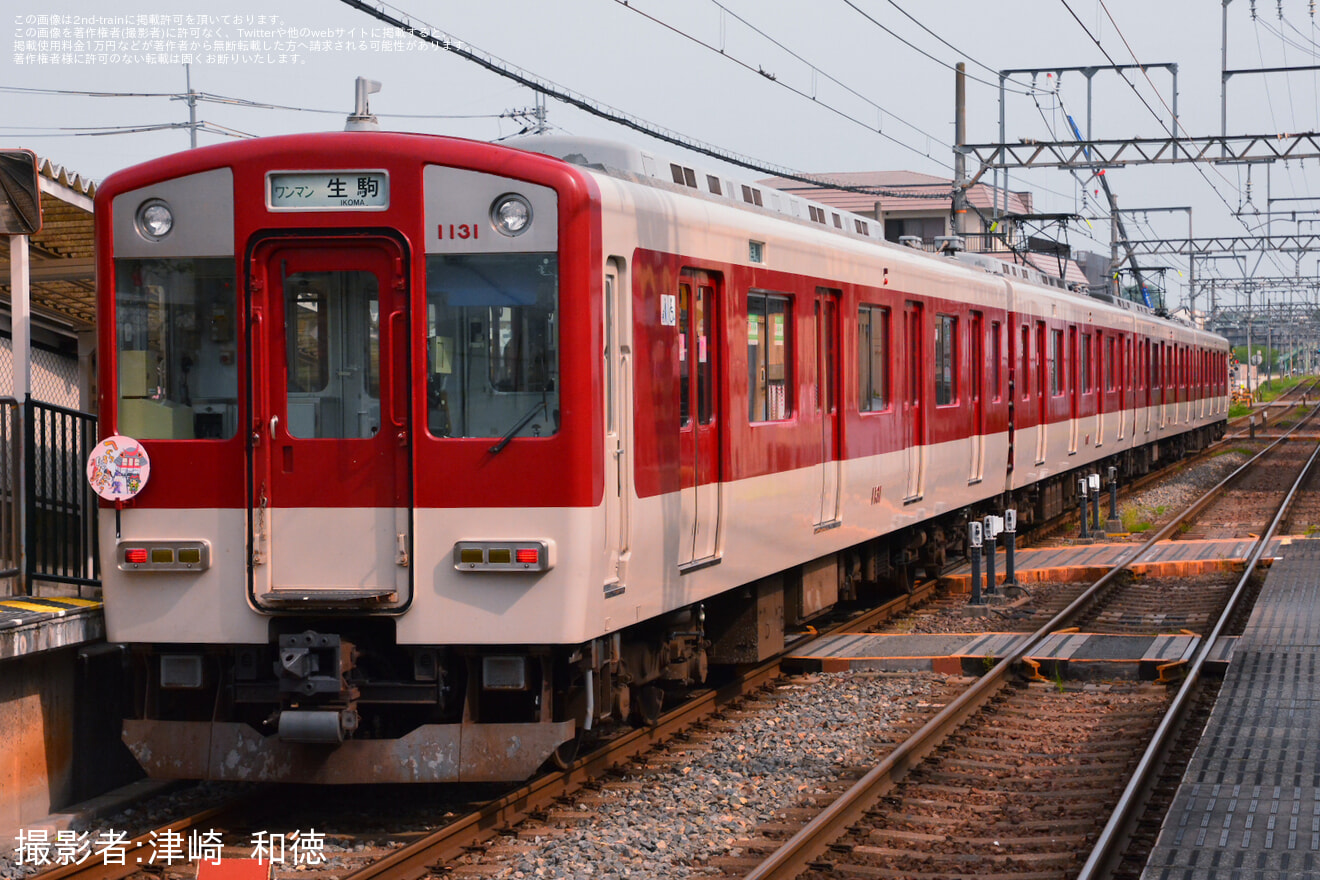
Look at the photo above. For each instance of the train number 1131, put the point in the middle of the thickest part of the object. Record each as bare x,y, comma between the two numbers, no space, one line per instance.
459,231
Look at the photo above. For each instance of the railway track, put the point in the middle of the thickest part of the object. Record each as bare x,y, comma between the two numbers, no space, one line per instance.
556,802
277,809
857,835
1282,418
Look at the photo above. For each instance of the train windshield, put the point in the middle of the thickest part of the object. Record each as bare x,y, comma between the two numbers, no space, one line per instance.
492,345
174,322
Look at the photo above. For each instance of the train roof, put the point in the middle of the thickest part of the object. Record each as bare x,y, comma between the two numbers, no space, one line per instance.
631,162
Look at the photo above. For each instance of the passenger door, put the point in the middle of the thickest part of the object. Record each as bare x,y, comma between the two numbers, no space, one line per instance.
1043,389
700,489
618,410
914,400
976,464
329,445
1070,373
827,404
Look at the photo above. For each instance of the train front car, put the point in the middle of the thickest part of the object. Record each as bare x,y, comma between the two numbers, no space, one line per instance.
360,366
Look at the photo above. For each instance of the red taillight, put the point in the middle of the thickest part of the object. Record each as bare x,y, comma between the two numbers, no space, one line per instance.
527,555
136,555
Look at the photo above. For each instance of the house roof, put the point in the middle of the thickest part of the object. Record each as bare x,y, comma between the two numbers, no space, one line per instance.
905,191
1047,264
62,277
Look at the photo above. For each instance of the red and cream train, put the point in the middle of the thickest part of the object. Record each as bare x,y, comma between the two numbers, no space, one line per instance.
458,449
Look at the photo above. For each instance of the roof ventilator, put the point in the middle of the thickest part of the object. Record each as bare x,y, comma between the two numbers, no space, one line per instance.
950,244
912,241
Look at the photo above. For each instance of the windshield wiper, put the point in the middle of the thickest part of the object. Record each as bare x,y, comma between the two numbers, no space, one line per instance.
522,423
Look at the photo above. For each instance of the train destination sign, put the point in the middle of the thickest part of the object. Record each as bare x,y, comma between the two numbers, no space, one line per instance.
328,190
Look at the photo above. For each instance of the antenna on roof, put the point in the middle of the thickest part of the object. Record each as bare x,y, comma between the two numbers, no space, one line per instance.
362,120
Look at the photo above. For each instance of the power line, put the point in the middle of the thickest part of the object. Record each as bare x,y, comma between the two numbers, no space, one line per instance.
916,48
1172,133
1028,89
814,68
437,37
237,102
772,78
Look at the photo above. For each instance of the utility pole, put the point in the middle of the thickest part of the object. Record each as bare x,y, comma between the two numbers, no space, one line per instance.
541,126
192,107
959,220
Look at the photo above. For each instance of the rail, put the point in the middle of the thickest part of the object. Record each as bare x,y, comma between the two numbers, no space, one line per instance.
1113,840
796,854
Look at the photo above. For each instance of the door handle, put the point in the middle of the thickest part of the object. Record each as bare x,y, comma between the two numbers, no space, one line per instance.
274,423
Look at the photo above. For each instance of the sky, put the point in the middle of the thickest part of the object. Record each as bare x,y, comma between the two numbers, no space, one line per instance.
826,86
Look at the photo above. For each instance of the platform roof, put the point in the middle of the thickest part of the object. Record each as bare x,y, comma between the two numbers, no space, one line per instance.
63,273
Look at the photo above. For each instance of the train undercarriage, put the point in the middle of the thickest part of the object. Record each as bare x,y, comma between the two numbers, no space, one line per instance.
336,699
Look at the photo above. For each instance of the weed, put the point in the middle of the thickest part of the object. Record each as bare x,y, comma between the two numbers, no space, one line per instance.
1057,678
1135,519
987,663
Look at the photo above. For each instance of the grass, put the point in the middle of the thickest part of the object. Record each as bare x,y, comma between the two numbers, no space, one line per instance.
1266,392
1140,519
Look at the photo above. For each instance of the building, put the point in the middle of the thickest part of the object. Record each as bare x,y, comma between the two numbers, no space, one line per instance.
917,209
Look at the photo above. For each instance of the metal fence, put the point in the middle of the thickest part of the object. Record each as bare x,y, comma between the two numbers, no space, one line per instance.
47,530
11,448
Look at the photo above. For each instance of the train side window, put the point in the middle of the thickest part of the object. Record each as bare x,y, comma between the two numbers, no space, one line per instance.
176,336
1111,353
1086,362
946,360
1055,360
872,358
684,377
703,320
696,316
1024,353
996,361
769,343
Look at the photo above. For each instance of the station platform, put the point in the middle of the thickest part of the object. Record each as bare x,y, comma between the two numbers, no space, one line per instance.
1067,655
32,624
1248,807
1080,562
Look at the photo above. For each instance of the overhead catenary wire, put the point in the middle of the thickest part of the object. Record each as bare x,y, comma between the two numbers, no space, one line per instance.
759,70
1158,118
780,45
1292,106
103,130
240,102
724,53
915,48
438,37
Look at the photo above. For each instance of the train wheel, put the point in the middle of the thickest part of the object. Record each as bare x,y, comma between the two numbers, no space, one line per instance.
649,700
566,753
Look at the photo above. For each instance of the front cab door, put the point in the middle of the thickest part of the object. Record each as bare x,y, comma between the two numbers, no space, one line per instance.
328,449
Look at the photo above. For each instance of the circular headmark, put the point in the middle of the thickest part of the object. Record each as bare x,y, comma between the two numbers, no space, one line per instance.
118,468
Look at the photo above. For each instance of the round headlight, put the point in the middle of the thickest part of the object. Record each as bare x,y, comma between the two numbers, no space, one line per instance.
511,214
154,219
